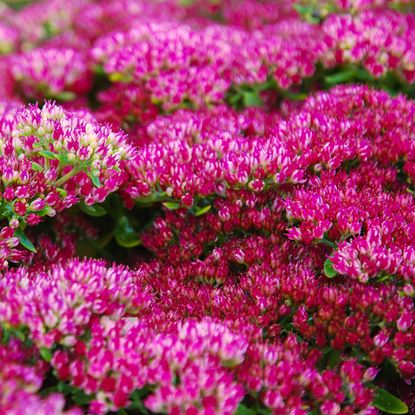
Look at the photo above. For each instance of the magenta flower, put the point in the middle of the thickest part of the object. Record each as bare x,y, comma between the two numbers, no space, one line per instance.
262,230
50,73
51,159
380,41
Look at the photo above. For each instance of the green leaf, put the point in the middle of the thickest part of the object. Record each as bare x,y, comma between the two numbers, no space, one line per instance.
152,198
17,4
235,98
389,403
307,12
302,8
329,271
244,410
77,395
63,158
50,31
252,99
294,96
62,192
95,180
47,154
37,166
327,242
383,278
125,234
19,334
99,70
81,398
45,354
323,362
24,240
43,212
47,391
201,211
363,75
333,358
136,401
171,205
94,210
8,332
5,336
341,77
119,77
64,388
65,96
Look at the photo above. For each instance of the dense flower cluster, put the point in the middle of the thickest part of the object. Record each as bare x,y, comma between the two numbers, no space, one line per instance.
40,21
380,41
51,73
82,315
202,221
178,65
329,131
20,379
247,14
50,159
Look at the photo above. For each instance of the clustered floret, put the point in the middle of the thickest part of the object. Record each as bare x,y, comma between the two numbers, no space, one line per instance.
50,73
195,219
96,326
367,40
50,160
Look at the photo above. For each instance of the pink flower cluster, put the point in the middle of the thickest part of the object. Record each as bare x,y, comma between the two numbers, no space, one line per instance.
199,225
97,326
50,72
380,41
345,206
20,379
247,14
276,288
331,130
327,7
178,64
177,57
50,159
174,56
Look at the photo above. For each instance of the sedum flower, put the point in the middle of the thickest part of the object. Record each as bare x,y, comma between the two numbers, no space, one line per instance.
377,40
51,73
52,158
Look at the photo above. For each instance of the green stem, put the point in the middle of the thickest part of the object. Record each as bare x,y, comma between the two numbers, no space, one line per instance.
67,176
328,243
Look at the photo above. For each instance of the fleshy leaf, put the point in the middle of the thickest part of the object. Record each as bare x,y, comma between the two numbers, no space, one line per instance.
65,96
47,154
333,358
201,211
252,99
45,354
24,240
95,180
171,205
125,234
244,410
389,403
36,166
329,271
93,210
